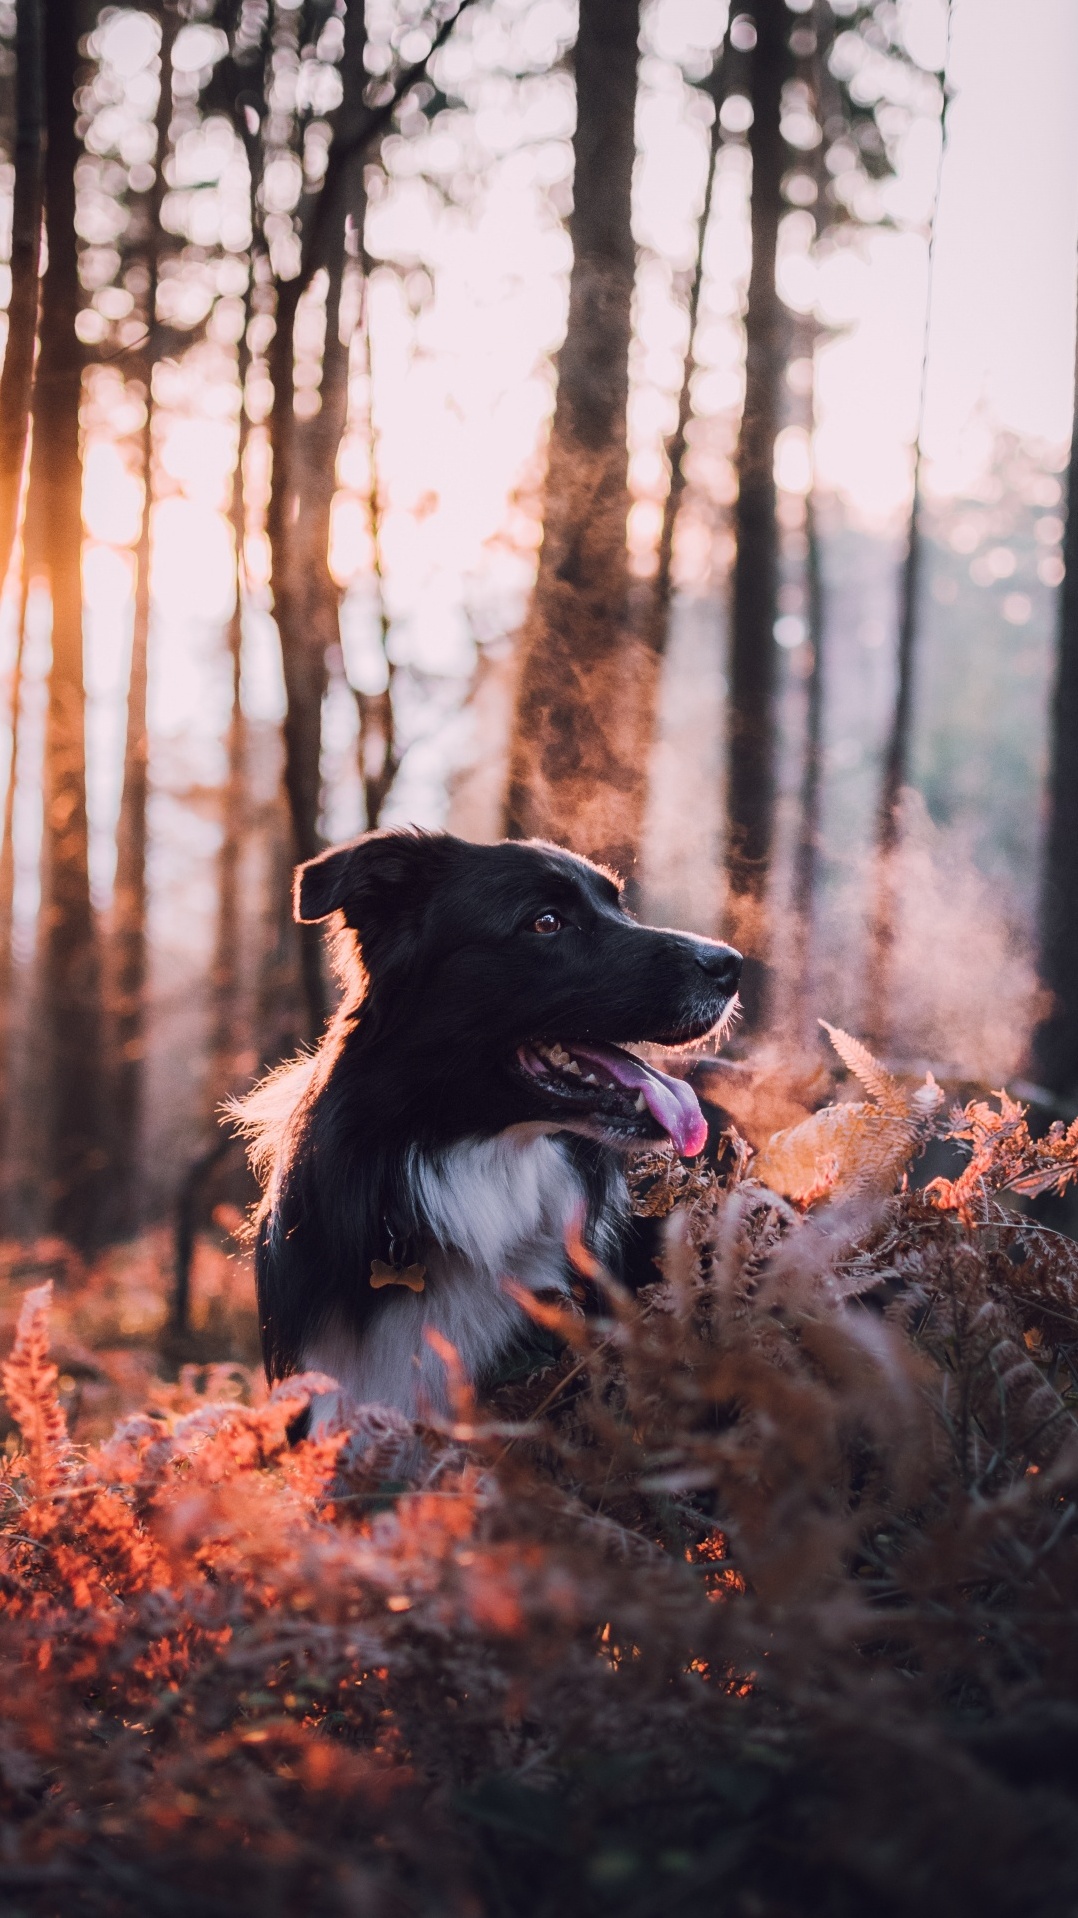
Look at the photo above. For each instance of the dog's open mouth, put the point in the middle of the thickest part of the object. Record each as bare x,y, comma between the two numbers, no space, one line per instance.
618,1090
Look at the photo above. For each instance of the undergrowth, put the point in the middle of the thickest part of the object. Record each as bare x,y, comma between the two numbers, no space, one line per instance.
759,1599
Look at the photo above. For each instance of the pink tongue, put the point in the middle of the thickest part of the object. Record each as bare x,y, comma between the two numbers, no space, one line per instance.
671,1103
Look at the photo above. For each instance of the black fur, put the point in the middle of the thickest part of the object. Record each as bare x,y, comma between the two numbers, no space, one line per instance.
444,977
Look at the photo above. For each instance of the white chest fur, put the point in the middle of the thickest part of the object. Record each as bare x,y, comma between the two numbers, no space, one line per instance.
495,1209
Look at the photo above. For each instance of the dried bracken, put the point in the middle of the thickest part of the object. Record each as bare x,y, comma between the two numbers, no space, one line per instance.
1005,1157
858,1148
759,1597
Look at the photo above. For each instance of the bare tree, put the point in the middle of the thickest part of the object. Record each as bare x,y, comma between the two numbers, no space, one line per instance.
69,976
129,934
7,831
226,1040
896,760
379,759
303,461
16,388
305,596
659,611
751,771
578,757
16,380
806,850
827,98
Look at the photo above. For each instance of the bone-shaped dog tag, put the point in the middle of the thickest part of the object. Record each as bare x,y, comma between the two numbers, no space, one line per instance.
412,1276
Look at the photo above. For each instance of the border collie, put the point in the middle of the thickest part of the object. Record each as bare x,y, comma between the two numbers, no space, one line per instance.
466,1110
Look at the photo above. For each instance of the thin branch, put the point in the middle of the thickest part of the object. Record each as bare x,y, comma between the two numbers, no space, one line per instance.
352,145
659,622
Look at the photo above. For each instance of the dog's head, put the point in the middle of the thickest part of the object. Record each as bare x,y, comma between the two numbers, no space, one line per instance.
498,985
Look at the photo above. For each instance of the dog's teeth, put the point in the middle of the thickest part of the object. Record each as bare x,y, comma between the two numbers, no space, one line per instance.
640,1102
572,1066
590,1079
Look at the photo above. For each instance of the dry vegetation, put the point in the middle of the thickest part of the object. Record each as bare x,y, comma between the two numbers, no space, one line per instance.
759,1598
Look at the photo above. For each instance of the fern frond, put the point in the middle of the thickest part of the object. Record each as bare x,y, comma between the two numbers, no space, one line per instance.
868,1071
29,1385
852,1148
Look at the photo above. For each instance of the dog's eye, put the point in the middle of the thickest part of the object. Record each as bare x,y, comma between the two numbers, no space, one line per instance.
547,923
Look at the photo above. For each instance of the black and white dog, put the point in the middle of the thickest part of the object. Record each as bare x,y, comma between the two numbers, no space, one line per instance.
467,1107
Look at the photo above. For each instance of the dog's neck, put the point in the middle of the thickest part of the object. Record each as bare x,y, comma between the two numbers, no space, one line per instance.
486,1210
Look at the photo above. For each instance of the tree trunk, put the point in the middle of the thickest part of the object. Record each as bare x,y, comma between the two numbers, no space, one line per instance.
69,971
7,843
307,600
303,662
379,760
16,386
678,441
16,381
227,1042
807,851
1055,1043
304,480
578,757
896,760
129,907
751,783
827,102
894,776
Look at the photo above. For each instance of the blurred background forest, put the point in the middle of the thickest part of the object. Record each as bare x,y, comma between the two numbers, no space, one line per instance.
648,428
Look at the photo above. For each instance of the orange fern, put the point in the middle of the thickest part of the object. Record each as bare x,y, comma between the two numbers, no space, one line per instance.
29,1385
1005,1158
857,1148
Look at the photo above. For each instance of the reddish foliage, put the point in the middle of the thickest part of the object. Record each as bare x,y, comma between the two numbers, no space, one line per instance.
748,1600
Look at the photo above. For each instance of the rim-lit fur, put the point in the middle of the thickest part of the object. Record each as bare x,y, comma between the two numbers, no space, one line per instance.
411,1136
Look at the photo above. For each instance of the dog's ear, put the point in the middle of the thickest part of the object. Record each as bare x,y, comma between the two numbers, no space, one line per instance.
369,881
318,887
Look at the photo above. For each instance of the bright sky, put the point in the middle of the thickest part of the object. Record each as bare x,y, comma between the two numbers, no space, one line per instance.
1004,304
1003,301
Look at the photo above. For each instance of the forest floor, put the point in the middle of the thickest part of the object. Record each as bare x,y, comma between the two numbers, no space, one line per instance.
758,1595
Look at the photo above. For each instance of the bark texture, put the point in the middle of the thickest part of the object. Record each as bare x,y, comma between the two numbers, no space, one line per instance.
578,758
307,602
69,971
753,674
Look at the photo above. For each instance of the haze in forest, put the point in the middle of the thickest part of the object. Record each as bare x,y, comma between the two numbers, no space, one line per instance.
430,399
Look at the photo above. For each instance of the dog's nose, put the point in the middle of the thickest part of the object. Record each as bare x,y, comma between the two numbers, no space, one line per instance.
721,963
